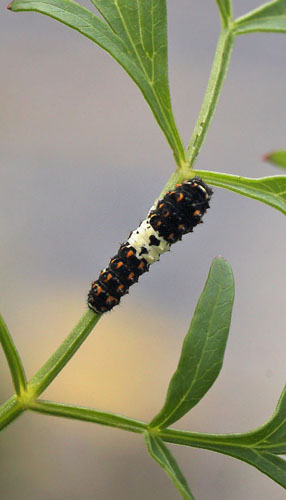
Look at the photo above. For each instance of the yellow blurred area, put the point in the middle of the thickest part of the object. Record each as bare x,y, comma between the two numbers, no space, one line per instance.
115,369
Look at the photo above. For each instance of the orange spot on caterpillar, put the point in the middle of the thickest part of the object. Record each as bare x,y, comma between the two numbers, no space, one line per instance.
111,299
107,278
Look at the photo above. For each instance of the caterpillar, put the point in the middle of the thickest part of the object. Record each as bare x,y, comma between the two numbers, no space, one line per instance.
176,214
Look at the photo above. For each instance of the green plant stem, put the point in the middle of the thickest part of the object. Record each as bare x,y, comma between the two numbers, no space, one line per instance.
42,379
199,440
225,9
88,415
63,354
13,359
187,438
9,411
178,176
217,76
250,439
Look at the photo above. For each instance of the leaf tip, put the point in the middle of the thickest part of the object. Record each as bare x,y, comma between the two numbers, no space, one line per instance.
9,6
220,257
266,157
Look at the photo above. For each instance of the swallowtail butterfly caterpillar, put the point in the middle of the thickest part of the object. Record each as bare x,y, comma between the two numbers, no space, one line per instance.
176,214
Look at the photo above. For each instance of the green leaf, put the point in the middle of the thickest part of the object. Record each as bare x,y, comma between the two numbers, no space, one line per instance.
277,157
13,358
258,447
269,190
159,451
233,445
271,437
269,17
225,8
135,34
204,345
271,465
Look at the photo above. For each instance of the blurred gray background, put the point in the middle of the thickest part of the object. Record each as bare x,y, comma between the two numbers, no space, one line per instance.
82,160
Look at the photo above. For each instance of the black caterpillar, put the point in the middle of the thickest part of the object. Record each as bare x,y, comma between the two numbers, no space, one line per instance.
177,213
